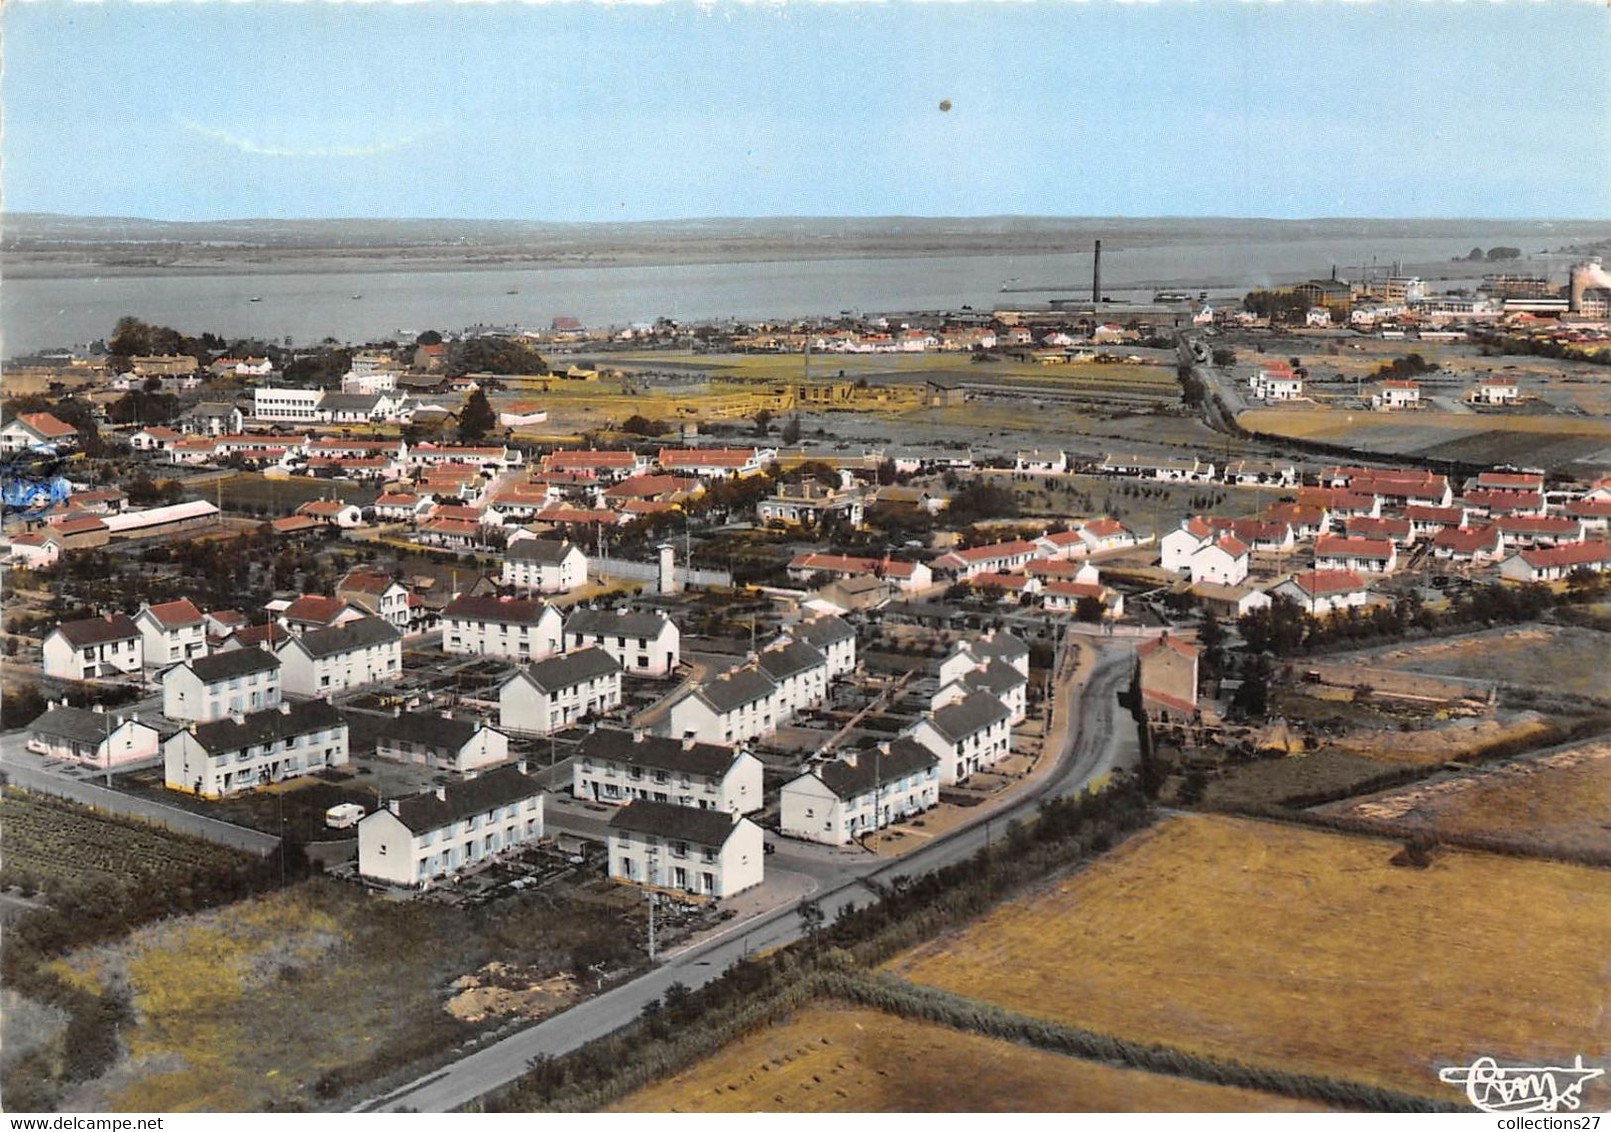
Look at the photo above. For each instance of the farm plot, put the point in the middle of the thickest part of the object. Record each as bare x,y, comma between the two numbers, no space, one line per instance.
842,1059
1555,803
1308,951
1481,437
259,495
1552,659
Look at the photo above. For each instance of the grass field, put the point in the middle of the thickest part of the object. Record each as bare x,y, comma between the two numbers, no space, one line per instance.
282,496
246,1007
1303,950
843,1059
1489,438
1547,658
1556,802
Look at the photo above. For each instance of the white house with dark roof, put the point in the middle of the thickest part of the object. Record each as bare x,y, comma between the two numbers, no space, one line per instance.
222,684
415,841
377,594
92,736
94,648
834,638
540,698
487,625
616,767
680,849
440,742
969,735
642,643
325,661
544,566
171,632
243,752
735,707
860,792
991,675
800,673
974,652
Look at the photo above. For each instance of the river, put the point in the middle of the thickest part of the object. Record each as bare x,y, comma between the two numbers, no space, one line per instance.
48,312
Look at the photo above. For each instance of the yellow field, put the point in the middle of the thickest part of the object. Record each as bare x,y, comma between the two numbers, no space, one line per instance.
1560,800
1330,424
1440,744
1306,951
843,1059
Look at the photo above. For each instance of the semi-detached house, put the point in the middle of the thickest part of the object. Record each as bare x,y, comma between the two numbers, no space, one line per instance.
440,742
171,632
93,737
972,734
544,566
325,661
616,767
94,648
860,792
415,841
680,849
554,693
244,752
517,628
237,682
642,643
735,707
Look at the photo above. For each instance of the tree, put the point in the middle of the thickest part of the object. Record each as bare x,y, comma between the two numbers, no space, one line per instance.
1224,356
476,418
1090,609
791,430
763,422
428,338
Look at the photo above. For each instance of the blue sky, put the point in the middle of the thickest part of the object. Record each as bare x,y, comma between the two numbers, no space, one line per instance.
592,112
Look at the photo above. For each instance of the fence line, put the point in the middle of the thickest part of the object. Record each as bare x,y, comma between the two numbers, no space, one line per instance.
650,572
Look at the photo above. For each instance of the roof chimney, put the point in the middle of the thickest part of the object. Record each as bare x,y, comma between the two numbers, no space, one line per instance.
240,720
638,734
285,707
98,707
688,742
395,805
441,793
850,758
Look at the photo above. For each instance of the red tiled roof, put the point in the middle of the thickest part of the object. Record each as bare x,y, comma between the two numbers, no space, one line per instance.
314,609
1102,528
1576,554
1175,644
1353,547
174,614
1318,583
1466,538
47,425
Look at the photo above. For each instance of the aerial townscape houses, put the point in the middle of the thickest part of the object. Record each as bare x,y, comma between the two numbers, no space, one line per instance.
681,849
616,767
860,792
540,698
242,752
428,837
324,661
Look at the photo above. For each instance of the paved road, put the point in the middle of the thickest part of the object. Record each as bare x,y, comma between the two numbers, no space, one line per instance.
1102,740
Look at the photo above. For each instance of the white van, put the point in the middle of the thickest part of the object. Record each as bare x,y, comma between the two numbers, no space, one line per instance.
344,816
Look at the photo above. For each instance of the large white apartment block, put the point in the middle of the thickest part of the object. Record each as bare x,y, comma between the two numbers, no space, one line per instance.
860,792
281,404
616,767
415,841
324,661
237,682
681,849
544,566
171,633
94,648
969,735
643,644
244,752
520,629
554,693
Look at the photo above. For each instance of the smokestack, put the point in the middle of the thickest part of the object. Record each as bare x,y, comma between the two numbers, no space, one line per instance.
1096,274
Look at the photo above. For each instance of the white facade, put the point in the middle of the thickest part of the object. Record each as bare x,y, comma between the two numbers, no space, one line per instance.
108,654
415,842
966,736
491,626
202,696
169,635
703,866
244,752
812,809
92,738
271,404
556,692
643,644
540,566
325,661
1222,562
620,768
1178,546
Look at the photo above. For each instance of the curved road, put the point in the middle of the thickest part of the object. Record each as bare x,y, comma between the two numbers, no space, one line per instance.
1101,735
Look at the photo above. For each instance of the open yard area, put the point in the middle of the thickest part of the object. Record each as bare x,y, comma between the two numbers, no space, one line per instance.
285,1000
1557,802
1285,947
248,491
842,1059
1492,438
1545,658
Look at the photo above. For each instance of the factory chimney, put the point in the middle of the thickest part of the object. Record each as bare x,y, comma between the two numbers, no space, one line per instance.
1096,274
